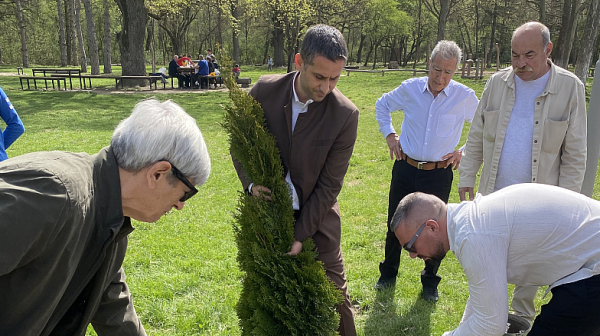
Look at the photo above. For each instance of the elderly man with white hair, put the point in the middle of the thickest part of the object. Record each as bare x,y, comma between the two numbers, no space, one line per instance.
66,217
435,109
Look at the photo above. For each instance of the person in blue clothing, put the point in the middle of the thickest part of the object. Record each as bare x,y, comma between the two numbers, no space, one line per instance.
14,125
201,72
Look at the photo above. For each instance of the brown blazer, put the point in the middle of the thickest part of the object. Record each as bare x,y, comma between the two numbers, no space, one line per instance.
316,154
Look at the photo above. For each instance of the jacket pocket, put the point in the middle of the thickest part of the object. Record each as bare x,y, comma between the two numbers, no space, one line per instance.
445,126
490,124
554,135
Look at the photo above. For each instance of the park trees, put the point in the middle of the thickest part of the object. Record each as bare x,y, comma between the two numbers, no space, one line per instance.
131,37
91,30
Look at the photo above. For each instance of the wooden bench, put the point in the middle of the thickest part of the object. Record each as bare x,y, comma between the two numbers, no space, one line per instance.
62,71
383,71
20,71
244,81
152,79
45,79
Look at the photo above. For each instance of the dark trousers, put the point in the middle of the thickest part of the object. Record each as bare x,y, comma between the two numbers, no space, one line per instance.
573,310
407,179
182,79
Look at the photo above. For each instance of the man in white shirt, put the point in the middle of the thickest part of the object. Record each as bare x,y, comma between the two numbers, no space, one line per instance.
530,126
435,109
526,234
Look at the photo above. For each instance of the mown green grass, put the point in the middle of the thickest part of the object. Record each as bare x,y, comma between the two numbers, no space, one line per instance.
182,269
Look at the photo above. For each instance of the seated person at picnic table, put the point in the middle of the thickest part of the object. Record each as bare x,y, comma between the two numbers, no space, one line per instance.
14,126
201,72
236,70
526,234
174,73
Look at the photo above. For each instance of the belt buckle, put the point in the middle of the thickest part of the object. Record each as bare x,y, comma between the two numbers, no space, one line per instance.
420,164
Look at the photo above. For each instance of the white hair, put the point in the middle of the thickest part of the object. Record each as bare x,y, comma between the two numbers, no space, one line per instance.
448,50
157,131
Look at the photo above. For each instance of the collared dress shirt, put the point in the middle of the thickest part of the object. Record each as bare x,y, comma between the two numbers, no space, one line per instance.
432,126
525,234
297,108
14,125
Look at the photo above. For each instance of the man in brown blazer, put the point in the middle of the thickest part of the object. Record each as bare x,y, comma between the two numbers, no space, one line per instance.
315,127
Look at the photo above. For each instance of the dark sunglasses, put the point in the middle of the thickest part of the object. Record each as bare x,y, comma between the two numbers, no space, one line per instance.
408,247
188,194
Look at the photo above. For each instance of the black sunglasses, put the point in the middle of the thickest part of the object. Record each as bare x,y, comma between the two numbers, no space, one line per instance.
188,194
408,247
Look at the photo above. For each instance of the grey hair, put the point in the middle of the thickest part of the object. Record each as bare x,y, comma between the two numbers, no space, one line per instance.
404,210
448,50
323,40
534,25
157,131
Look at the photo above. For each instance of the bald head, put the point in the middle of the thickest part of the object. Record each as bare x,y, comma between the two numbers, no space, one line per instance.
533,29
416,208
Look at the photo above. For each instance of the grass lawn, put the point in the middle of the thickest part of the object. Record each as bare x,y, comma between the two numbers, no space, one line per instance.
182,270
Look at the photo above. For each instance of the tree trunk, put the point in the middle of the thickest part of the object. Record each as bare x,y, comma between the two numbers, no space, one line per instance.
588,41
493,35
369,54
1,55
542,8
267,44
278,41
72,40
61,34
93,43
418,42
76,9
567,33
107,40
361,44
220,26
131,39
24,52
235,13
444,11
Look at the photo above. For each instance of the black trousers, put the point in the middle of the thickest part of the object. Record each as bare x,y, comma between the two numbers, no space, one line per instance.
573,310
407,179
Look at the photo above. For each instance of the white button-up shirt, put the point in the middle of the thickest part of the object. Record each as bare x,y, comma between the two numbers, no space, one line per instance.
432,126
525,234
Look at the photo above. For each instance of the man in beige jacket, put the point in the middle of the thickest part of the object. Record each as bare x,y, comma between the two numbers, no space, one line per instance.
529,127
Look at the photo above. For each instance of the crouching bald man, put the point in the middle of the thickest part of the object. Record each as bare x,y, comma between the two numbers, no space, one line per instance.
525,234
65,218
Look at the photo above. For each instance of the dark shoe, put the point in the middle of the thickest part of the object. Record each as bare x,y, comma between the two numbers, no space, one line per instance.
385,283
430,294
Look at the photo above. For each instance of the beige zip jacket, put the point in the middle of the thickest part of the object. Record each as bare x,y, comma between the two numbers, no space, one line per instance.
559,145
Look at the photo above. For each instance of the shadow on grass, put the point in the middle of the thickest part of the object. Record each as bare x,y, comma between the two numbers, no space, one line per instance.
384,319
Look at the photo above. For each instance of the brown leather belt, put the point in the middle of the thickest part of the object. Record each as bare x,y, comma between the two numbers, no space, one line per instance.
423,165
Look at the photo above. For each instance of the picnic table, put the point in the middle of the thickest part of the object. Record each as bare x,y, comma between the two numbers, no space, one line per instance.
69,72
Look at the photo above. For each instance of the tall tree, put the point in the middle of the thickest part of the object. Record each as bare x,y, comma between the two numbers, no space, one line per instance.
71,36
79,33
566,35
441,9
107,40
61,33
24,51
91,30
131,38
175,18
588,40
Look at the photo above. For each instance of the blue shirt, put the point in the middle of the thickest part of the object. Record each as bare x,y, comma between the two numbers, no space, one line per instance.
432,126
203,68
14,125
